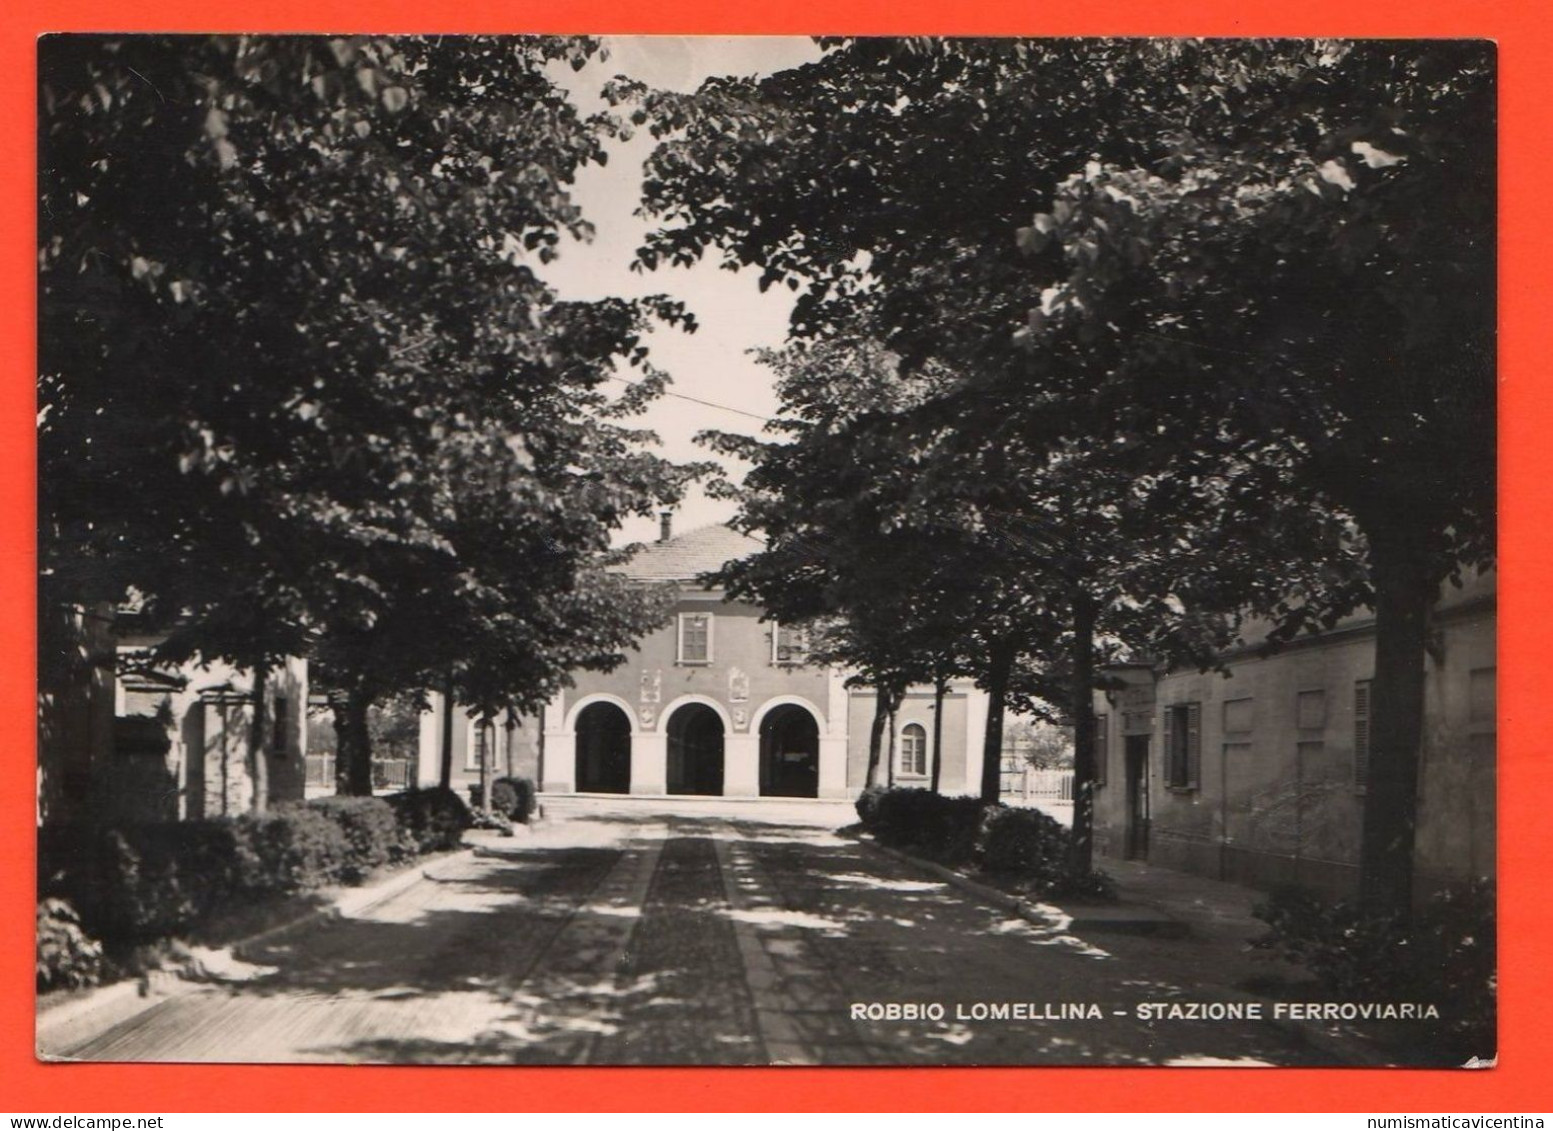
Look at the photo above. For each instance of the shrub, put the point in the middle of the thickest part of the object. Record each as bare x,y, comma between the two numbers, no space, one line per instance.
1443,953
293,849
372,833
435,819
867,805
524,798
1094,887
942,827
513,798
67,956
487,819
1025,841
140,882
137,883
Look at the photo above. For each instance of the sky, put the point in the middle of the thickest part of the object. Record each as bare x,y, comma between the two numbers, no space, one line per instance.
713,364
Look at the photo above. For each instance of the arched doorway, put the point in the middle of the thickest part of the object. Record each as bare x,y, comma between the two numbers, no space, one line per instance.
603,749
789,753
695,750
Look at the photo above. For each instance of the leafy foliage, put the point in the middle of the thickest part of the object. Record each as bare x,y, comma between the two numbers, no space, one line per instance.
965,831
1025,841
68,958
434,819
867,805
1444,954
302,389
490,819
372,833
516,798
943,828
1255,310
140,883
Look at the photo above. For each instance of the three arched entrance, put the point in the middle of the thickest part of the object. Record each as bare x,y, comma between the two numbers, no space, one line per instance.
789,752
778,756
695,750
603,749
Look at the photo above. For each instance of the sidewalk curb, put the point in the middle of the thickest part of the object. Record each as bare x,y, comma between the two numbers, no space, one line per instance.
1003,900
102,1008
1346,1052
355,901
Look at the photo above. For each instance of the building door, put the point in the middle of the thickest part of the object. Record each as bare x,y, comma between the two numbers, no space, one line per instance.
695,750
603,749
789,753
1137,754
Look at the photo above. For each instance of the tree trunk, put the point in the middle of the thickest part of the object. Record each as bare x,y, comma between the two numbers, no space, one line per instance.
1001,668
445,777
512,729
487,727
353,748
1404,592
1081,843
940,687
876,734
259,766
889,765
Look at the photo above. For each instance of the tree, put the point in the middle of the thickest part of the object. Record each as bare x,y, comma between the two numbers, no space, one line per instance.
1046,745
301,386
1327,278
906,600
878,180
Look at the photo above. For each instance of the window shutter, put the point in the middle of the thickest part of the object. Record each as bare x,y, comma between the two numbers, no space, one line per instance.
1193,715
1361,733
1102,747
1174,767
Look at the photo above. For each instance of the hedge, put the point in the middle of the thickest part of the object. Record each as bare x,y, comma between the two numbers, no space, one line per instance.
1023,843
372,832
946,828
435,819
117,887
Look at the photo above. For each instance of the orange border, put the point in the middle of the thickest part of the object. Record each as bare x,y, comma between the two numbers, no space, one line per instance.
1526,774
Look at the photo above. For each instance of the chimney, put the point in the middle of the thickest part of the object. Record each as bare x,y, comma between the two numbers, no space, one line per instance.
665,525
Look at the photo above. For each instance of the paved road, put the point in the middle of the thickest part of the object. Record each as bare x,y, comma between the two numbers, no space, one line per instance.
638,938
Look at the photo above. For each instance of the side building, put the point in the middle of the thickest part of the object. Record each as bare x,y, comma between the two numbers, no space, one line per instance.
717,703
1259,776
121,738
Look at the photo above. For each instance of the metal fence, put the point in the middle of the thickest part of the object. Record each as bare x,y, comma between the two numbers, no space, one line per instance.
1038,785
388,774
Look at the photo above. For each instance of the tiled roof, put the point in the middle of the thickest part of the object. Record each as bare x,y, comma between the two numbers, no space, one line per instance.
686,556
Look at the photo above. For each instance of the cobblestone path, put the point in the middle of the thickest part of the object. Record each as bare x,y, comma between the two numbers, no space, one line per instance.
684,940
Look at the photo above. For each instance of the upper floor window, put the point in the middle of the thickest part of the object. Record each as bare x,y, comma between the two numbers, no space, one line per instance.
914,750
789,644
695,638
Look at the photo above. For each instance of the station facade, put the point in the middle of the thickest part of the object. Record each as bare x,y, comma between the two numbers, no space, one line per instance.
719,702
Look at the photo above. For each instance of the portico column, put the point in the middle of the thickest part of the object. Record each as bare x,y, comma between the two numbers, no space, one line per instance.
649,762
833,766
741,765
834,741
560,750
